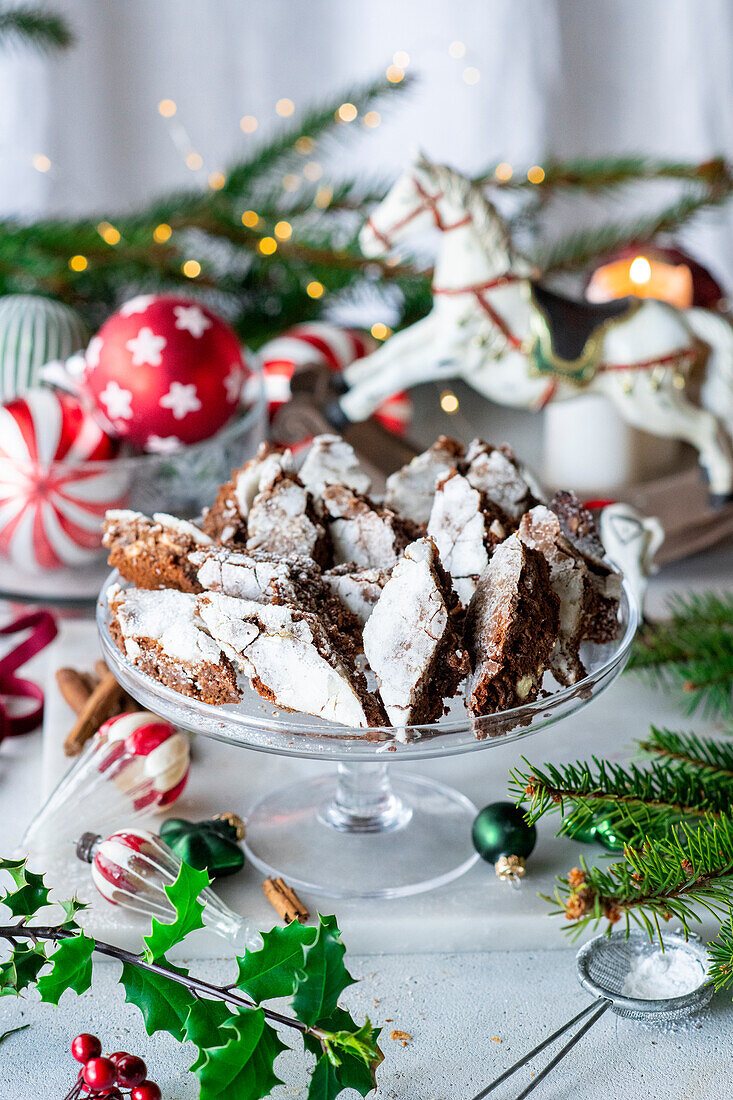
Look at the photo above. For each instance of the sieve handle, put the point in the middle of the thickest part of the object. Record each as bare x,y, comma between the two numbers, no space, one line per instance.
545,1043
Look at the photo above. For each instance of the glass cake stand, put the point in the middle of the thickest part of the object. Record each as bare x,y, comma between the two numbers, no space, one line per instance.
357,831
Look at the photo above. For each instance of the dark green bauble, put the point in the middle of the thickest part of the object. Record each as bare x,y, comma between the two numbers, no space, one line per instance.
207,845
501,830
612,836
585,833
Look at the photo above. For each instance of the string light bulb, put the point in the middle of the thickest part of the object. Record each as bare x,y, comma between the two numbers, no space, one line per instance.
78,263
194,161
304,145
250,218
536,174
217,180
315,289
380,331
248,124
108,233
41,162
283,231
395,74
457,50
312,171
284,108
449,402
471,75
503,172
291,182
162,233
191,268
347,112
372,119
167,108
401,59
323,197
267,246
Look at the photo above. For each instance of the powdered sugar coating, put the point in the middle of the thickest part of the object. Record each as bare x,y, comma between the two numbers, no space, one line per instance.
258,474
361,533
463,533
258,577
332,461
489,470
410,490
166,617
281,520
358,589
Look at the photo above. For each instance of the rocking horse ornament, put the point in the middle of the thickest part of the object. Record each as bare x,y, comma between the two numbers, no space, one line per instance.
519,344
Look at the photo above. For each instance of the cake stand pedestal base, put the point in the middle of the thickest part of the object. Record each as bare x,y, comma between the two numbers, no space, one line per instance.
358,833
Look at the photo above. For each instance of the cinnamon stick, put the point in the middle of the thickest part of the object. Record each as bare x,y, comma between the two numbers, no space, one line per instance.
104,702
100,668
75,687
284,899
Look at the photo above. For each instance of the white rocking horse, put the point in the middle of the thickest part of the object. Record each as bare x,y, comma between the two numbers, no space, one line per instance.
521,345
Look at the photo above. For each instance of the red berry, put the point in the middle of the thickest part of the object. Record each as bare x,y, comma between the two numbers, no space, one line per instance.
148,1090
109,1094
86,1046
131,1070
117,1055
100,1073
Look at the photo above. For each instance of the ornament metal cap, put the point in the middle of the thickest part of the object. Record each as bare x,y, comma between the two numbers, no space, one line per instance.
234,820
85,846
510,869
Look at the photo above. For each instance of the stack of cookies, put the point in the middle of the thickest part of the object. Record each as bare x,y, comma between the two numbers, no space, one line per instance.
370,614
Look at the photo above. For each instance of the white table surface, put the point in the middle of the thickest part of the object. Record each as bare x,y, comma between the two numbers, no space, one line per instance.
452,1001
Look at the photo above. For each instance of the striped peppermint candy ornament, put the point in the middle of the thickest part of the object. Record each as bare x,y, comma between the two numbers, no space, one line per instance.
323,344
51,502
34,332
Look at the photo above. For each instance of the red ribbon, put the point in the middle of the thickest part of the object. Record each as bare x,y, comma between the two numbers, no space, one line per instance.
43,630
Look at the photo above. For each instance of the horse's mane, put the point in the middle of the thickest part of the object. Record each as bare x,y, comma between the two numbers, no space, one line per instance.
486,218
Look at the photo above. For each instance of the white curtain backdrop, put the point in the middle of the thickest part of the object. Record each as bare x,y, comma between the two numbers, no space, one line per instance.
557,77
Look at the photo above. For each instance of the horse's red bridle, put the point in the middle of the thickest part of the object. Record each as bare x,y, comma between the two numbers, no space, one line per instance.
429,202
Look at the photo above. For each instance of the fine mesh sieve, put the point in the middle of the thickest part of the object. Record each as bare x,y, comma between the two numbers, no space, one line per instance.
603,965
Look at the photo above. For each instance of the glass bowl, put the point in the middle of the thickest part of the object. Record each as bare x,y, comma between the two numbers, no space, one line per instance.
182,484
355,832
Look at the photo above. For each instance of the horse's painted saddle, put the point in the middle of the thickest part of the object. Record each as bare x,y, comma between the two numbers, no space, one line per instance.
567,336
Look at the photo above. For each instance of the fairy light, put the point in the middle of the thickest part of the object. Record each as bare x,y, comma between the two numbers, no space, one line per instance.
217,180
372,119
457,50
283,231
167,108
395,74
380,331
250,218
312,171
108,233
315,289
503,172
304,145
267,246
347,112
162,233
449,402
284,107
401,59
78,263
191,268
471,75
323,197
194,161
41,162
248,124
536,174
640,270
291,182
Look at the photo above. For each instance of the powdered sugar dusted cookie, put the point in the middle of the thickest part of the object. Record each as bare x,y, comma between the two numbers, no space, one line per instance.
511,629
162,634
226,520
332,461
362,533
580,529
282,520
153,553
465,526
495,472
540,530
291,659
411,640
358,589
410,490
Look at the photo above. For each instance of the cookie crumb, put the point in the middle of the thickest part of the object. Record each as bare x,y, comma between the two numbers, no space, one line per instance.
401,1037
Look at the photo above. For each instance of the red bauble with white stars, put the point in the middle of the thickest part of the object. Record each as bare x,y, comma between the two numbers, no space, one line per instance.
164,372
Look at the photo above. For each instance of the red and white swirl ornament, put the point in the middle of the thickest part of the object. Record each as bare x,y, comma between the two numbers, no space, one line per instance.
51,501
323,344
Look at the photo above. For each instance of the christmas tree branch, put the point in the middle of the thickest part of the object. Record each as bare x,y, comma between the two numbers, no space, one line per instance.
44,30
712,757
603,173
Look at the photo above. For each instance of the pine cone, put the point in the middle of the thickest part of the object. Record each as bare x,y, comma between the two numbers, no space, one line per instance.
576,877
578,904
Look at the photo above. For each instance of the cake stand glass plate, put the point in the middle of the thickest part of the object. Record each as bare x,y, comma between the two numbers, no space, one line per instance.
357,831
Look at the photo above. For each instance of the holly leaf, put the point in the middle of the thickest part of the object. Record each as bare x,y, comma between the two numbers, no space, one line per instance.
183,896
71,968
70,909
353,1055
242,1068
203,1027
30,894
271,971
324,977
164,1004
22,968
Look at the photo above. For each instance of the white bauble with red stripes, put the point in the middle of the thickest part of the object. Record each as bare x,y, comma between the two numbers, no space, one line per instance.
51,500
165,372
321,343
148,756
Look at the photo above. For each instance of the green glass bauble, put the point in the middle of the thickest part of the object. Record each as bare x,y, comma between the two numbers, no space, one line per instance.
501,830
585,833
206,845
612,836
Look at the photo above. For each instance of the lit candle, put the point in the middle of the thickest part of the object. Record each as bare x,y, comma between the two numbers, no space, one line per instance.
642,276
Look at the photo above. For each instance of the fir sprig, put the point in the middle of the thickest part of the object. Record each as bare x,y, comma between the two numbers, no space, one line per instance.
691,650
601,173
713,758
43,30
233,1031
